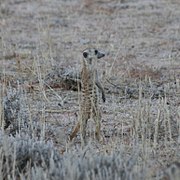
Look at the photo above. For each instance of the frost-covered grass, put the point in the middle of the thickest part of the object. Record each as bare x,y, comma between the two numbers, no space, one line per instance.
140,120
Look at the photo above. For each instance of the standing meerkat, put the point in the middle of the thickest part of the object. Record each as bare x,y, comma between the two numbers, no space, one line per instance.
89,98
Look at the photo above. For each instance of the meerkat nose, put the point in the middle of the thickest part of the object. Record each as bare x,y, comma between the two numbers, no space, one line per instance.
100,54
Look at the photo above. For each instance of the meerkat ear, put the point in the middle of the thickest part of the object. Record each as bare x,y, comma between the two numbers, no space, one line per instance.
95,51
85,54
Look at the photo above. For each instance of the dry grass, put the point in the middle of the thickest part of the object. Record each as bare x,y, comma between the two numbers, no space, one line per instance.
141,76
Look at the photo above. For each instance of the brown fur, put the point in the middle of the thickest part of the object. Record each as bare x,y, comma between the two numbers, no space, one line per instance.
89,99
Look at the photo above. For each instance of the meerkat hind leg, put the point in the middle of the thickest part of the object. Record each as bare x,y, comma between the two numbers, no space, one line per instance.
97,117
75,131
83,125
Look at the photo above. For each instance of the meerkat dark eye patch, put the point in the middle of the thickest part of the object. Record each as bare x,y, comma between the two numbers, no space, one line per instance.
85,54
95,51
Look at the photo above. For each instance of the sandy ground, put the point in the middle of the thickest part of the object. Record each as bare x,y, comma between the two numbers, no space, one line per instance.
141,40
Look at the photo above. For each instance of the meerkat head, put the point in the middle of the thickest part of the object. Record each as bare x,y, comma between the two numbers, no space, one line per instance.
92,53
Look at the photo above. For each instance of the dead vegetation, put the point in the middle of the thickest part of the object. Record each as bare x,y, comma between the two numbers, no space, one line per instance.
40,51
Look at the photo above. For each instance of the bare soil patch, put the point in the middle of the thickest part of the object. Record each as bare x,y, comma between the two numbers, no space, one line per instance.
140,73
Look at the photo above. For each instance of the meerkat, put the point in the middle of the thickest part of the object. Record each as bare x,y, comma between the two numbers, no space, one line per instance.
89,97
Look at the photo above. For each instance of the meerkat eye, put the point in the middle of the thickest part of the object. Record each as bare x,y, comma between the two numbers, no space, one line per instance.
85,54
96,51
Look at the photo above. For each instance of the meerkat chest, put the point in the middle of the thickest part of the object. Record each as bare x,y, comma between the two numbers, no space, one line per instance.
89,89
88,76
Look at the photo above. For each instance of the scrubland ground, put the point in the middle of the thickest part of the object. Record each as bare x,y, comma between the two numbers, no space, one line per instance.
141,76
